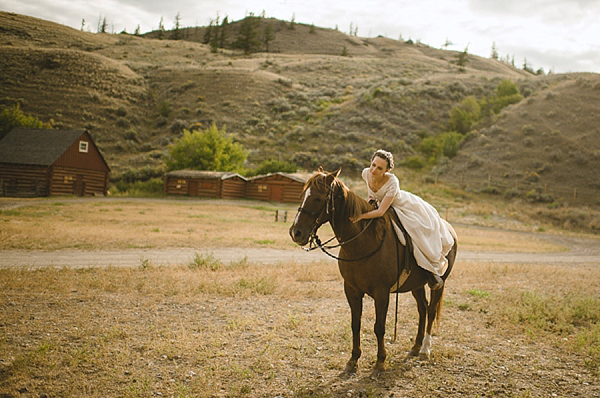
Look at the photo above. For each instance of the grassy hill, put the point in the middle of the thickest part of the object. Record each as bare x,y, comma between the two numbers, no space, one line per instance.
306,102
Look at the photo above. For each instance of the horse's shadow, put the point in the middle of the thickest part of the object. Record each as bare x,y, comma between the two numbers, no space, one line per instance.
360,384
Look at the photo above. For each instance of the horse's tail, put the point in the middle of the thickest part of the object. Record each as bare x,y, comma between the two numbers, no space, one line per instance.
438,310
440,304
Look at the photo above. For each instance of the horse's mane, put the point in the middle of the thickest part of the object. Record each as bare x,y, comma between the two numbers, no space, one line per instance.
351,204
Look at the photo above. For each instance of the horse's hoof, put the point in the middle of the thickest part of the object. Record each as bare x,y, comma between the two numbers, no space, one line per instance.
414,352
424,356
351,368
375,373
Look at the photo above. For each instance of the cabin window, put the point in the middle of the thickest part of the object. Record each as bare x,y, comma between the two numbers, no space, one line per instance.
68,179
262,188
83,146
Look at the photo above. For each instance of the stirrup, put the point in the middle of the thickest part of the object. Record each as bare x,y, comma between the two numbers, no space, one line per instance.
435,282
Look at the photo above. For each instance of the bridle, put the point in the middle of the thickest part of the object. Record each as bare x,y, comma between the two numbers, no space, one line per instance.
328,209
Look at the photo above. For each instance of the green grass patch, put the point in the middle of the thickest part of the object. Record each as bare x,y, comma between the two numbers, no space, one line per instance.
478,293
205,261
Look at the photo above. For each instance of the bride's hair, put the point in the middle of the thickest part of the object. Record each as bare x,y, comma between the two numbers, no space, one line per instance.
385,155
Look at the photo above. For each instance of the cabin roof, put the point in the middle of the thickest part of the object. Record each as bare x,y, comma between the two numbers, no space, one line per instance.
203,174
36,146
286,175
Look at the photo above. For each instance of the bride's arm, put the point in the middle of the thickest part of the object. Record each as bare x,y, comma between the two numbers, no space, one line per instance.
383,206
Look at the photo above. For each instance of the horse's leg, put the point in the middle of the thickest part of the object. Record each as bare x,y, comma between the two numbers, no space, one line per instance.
382,301
355,300
435,306
419,295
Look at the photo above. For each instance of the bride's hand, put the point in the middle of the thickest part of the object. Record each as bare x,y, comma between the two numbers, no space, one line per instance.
355,219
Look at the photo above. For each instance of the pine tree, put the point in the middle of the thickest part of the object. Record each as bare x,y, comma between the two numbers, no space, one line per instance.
462,59
102,24
494,54
208,32
248,34
161,28
176,35
268,36
224,32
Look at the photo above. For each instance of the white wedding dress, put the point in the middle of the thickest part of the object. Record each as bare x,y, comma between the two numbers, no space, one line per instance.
432,236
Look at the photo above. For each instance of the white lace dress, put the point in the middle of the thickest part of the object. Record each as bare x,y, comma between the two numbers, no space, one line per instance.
432,236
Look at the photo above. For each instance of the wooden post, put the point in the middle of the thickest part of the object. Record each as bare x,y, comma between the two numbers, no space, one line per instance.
278,216
489,180
574,194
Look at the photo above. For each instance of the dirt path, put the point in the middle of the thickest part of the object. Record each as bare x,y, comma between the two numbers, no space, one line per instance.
579,254
581,250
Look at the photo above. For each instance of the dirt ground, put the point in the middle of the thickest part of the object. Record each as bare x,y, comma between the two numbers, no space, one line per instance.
280,330
275,323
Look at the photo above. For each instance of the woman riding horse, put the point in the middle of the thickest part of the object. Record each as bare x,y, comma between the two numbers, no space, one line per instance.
431,236
373,260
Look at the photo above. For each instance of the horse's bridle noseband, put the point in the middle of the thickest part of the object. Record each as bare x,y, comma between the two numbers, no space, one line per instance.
318,215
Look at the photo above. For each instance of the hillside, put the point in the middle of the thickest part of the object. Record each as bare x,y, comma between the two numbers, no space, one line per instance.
303,101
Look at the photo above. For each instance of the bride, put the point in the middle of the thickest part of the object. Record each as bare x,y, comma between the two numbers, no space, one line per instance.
431,235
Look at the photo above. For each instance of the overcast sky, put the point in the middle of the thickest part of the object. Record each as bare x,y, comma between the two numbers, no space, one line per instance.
557,35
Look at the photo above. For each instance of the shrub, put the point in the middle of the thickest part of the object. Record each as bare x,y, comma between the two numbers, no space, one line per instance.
527,129
273,166
430,148
131,135
210,149
506,88
463,116
178,126
121,111
414,163
164,108
13,117
280,105
122,122
450,142
152,187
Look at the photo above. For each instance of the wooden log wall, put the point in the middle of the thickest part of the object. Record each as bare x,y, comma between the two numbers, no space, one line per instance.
208,188
192,186
233,188
64,179
176,186
23,180
275,188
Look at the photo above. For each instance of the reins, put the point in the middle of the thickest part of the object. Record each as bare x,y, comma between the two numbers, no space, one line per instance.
315,241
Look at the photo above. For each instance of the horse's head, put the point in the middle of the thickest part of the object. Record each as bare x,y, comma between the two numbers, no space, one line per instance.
316,207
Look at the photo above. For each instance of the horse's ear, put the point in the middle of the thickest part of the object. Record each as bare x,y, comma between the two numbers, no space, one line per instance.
320,169
332,176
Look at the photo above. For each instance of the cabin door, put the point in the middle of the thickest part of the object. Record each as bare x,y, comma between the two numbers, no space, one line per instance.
193,188
79,185
276,193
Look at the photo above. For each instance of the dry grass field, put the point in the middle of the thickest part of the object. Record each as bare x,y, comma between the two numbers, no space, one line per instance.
114,224
213,329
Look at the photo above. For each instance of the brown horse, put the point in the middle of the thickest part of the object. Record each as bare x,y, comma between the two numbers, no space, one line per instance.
371,261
